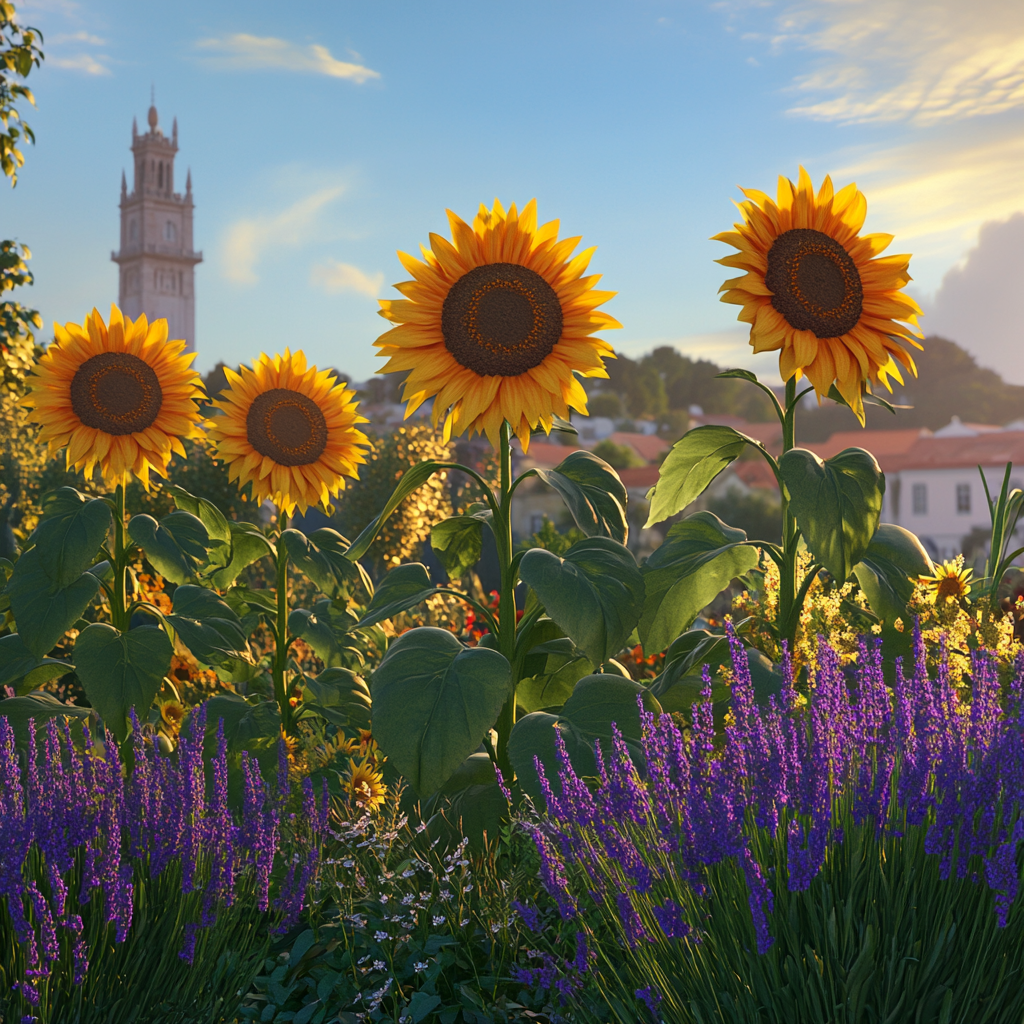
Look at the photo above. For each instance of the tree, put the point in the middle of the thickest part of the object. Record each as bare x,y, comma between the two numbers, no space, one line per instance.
19,54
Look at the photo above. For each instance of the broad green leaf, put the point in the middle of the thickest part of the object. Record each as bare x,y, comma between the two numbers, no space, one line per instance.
208,626
20,668
217,525
339,696
593,494
321,556
433,702
836,504
595,593
120,671
247,726
699,558
412,480
402,588
691,464
248,545
586,718
891,564
316,632
70,534
38,706
43,612
176,546
562,667
474,812
458,542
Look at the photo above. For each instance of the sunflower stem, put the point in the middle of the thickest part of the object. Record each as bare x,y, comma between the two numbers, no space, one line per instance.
119,604
788,610
507,598
281,639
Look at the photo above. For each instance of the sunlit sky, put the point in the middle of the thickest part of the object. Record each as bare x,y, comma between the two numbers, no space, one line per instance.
324,136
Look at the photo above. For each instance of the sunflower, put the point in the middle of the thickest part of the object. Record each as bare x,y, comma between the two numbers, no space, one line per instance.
366,785
172,714
120,397
496,324
813,289
289,430
950,581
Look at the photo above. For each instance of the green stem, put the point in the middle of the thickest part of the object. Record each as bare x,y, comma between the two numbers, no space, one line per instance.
119,605
507,602
788,612
281,639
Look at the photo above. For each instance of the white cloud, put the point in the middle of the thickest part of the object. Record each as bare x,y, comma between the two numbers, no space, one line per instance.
240,51
84,62
76,37
333,276
978,305
924,61
248,239
937,190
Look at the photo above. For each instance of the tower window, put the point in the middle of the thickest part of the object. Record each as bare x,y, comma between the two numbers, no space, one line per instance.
160,176
170,231
133,230
963,498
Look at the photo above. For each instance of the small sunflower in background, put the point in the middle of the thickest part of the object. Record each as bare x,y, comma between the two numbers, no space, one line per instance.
950,581
120,397
496,324
289,430
814,290
366,785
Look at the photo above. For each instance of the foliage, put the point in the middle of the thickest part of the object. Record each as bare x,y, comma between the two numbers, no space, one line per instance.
121,894
618,456
19,54
415,932
849,855
404,533
757,514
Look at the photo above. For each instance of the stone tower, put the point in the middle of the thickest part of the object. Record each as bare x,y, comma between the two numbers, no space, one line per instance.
156,260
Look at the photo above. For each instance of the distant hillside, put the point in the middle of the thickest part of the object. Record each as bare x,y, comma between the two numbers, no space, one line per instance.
949,383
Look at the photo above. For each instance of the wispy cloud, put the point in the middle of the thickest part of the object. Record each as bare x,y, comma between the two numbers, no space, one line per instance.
247,240
84,62
923,61
243,52
333,276
937,191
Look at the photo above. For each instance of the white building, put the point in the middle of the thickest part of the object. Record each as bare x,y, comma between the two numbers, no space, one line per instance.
156,260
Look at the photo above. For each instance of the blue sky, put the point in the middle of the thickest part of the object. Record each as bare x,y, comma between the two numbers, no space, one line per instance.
324,136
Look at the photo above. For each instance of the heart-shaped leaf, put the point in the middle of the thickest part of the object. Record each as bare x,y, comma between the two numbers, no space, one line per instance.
175,546
340,696
42,611
217,525
894,559
596,703
433,702
691,464
120,671
316,632
836,503
402,588
248,545
38,706
458,543
699,558
208,626
69,534
595,593
593,494
20,668
322,557
561,668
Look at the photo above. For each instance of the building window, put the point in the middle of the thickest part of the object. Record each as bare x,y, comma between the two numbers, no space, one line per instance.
963,498
133,229
919,499
170,231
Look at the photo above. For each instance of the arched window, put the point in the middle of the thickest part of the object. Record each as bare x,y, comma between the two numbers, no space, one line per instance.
170,231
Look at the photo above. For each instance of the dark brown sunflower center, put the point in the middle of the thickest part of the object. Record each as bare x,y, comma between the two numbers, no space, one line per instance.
814,283
287,427
501,320
117,393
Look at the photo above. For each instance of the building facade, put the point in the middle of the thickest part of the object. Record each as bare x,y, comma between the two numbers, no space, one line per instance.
157,259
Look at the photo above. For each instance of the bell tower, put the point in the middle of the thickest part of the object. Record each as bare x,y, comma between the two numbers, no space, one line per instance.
156,259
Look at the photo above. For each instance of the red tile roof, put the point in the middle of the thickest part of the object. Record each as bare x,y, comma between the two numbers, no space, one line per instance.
878,442
643,477
649,447
755,473
992,449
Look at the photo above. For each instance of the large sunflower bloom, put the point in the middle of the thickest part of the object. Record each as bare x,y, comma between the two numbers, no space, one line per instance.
496,324
366,785
288,430
120,397
949,582
813,289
